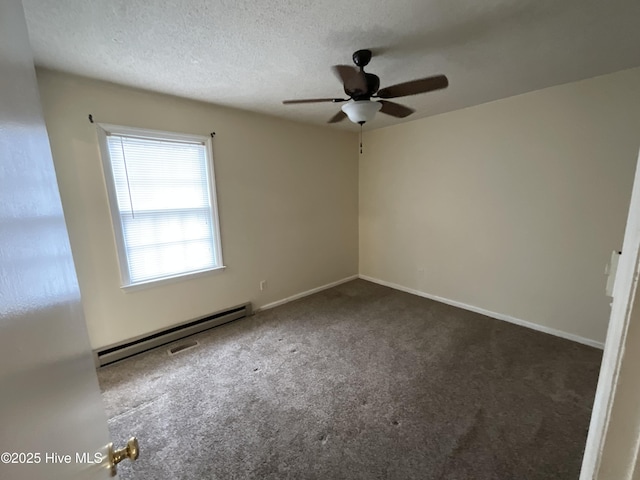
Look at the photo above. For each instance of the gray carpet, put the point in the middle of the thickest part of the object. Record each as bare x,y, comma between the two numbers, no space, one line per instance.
357,382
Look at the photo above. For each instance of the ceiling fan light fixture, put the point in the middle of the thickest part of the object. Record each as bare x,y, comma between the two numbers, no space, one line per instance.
361,87
361,111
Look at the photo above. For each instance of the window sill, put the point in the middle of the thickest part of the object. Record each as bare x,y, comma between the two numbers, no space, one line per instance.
176,278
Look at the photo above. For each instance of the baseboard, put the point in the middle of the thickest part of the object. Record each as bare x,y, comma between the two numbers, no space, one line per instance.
306,293
488,313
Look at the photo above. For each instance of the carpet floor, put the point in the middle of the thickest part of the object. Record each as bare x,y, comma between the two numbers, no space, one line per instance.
357,382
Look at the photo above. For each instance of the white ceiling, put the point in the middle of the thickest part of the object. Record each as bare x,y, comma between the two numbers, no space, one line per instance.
252,54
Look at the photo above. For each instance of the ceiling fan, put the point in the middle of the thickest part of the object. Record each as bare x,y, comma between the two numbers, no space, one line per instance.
363,87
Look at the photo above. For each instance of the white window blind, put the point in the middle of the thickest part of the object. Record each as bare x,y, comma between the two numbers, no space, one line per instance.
163,198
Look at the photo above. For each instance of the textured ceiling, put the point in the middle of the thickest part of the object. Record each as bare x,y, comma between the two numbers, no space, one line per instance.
252,54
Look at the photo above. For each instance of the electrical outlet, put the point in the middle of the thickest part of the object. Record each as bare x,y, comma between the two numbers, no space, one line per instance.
263,285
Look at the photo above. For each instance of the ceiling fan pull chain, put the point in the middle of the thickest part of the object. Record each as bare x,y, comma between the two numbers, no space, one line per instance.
361,139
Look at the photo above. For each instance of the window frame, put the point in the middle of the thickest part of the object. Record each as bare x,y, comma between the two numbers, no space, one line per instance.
104,130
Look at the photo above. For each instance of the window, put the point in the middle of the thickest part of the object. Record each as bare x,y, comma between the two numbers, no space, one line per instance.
162,197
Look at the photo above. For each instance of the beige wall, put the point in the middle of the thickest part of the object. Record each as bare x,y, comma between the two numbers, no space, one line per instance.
287,194
512,206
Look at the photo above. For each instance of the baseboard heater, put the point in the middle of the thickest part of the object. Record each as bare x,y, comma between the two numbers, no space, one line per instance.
113,353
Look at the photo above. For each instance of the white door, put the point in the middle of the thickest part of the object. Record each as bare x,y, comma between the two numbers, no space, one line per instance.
612,444
52,422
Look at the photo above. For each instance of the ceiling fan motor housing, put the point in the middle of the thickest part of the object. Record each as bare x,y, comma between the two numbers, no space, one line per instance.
373,84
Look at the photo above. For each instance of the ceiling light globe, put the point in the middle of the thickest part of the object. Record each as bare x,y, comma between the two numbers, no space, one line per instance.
361,111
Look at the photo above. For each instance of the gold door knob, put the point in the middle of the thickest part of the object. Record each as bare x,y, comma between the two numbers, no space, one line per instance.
130,451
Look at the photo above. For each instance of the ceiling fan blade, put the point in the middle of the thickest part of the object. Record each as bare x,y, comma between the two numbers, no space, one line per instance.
395,109
338,117
314,100
414,87
352,79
